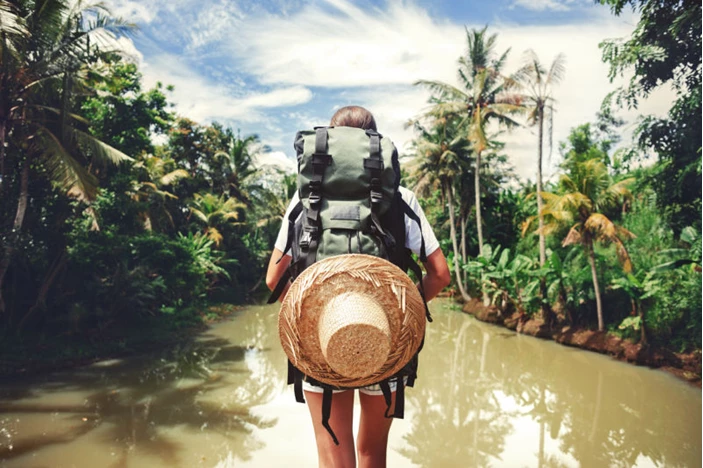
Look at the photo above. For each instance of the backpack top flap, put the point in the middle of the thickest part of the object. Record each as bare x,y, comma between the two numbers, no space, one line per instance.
345,178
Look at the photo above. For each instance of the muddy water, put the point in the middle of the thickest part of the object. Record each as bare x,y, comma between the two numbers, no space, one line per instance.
484,397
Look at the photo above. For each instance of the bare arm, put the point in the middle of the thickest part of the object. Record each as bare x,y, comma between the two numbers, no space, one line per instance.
437,277
275,270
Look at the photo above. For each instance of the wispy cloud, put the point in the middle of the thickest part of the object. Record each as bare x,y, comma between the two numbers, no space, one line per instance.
344,45
243,65
542,5
203,100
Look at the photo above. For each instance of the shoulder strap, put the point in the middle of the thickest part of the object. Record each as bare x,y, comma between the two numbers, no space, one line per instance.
280,286
320,160
374,164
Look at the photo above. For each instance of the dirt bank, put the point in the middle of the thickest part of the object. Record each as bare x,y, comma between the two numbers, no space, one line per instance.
686,366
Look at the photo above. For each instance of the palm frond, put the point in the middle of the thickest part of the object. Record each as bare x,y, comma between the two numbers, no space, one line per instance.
64,170
573,237
100,151
173,176
11,23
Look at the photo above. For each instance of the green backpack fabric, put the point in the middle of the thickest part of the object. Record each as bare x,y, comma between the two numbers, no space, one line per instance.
344,200
348,181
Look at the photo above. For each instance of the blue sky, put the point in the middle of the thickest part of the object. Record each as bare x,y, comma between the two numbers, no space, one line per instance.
277,66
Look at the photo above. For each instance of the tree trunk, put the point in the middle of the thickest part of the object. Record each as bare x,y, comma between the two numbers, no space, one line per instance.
462,224
596,288
3,132
455,246
540,202
57,265
16,227
643,332
477,187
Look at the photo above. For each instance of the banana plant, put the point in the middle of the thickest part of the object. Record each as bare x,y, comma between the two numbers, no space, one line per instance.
563,294
688,256
640,288
509,283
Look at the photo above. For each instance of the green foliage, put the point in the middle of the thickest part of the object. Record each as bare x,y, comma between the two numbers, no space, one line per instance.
665,48
121,114
510,283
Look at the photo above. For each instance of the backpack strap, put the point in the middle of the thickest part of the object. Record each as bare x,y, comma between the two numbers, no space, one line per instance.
295,377
288,274
326,411
399,410
311,231
292,217
374,164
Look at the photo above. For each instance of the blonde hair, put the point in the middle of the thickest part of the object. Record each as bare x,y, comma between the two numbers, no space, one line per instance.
353,116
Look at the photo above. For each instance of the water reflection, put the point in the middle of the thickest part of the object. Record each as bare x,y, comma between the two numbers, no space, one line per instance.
133,406
484,397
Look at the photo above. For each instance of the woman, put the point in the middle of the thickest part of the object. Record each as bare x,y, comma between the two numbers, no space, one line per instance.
372,439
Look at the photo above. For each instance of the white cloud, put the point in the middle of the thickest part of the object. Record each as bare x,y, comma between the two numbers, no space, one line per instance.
360,56
542,5
348,46
372,57
214,24
134,11
277,159
202,100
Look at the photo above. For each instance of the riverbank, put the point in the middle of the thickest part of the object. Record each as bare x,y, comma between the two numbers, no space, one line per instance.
686,366
42,352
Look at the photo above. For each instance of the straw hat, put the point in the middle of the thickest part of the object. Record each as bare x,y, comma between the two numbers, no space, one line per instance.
351,320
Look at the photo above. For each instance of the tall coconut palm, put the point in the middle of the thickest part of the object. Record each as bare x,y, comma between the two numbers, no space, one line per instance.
537,83
585,193
485,96
440,158
45,46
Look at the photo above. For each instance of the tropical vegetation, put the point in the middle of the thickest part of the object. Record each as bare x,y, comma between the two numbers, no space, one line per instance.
121,218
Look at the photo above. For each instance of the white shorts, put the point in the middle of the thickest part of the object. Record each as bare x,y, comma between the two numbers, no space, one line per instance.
373,390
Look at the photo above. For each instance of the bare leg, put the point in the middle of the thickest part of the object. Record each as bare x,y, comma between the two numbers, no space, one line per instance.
372,440
329,454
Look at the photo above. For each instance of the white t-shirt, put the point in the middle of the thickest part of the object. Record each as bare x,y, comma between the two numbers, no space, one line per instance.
413,239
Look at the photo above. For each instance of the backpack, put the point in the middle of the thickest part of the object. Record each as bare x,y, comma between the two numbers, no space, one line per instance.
348,181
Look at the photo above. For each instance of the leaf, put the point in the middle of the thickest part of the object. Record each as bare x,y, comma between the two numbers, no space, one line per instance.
631,322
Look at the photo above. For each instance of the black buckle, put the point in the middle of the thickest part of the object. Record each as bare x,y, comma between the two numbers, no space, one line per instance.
314,199
375,191
309,234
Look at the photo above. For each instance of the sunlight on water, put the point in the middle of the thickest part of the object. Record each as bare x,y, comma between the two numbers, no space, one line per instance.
484,397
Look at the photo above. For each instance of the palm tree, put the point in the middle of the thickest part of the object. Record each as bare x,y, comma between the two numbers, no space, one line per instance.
45,46
538,83
159,175
586,192
486,97
239,166
215,212
440,159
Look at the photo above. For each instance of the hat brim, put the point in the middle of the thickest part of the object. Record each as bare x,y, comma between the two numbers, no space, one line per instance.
375,277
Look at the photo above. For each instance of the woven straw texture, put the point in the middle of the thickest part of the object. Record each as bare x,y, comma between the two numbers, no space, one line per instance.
330,324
